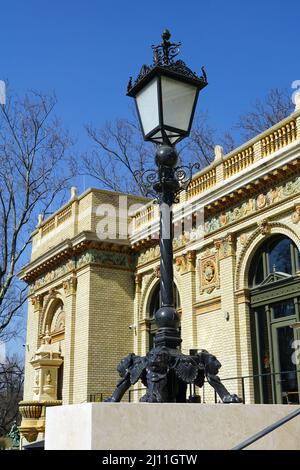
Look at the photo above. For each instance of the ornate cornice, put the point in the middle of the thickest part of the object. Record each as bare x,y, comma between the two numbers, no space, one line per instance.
264,199
66,256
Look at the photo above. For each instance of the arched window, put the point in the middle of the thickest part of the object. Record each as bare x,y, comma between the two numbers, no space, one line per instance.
277,254
275,294
154,305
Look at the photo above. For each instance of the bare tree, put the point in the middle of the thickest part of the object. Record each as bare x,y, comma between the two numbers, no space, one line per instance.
32,173
276,106
203,139
119,150
11,392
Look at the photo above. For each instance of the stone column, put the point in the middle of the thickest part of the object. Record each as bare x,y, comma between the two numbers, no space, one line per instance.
136,313
243,301
231,359
70,287
185,265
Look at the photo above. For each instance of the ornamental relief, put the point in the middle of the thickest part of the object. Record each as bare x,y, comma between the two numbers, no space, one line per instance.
149,255
186,262
108,258
296,215
255,204
52,275
209,272
225,246
182,240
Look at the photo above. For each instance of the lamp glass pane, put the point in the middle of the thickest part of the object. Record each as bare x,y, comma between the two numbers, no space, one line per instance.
178,100
147,103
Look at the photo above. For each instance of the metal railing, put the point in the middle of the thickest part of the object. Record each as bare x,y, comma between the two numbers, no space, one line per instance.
255,377
267,430
239,386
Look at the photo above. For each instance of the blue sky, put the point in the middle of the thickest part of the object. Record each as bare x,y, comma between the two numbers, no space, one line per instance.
86,50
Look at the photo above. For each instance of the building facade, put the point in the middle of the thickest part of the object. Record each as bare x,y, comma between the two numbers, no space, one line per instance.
237,281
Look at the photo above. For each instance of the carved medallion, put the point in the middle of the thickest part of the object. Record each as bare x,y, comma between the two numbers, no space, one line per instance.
209,272
261,201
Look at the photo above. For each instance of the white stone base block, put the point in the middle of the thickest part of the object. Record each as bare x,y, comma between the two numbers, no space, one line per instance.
170,426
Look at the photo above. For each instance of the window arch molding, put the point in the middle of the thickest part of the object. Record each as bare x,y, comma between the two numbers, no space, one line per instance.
253,244
52,304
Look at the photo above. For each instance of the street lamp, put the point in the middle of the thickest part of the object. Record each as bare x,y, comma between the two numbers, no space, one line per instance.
166,94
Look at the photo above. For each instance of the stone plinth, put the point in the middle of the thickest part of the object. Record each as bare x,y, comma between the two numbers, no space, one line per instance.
138,426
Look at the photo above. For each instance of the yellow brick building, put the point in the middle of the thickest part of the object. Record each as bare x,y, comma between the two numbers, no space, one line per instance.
236,260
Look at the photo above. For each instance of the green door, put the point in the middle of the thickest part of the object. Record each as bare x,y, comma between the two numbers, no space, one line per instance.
286,378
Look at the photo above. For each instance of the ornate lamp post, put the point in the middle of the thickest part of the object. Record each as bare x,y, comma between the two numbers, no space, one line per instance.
166,95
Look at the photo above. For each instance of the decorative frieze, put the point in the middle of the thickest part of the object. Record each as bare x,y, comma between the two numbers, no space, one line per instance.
253,205
106,258
52,275
179,242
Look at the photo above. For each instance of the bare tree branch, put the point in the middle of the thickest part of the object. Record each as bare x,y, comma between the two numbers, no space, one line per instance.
11,391
119,150
276,106
33,171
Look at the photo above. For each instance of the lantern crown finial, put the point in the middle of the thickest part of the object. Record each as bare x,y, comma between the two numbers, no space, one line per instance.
164,53
163,59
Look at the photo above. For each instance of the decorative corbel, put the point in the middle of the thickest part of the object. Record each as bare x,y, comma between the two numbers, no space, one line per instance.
37,302
70,286
225,246
186,262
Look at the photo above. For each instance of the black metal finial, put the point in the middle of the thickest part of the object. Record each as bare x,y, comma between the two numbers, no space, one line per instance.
163,56
164,53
